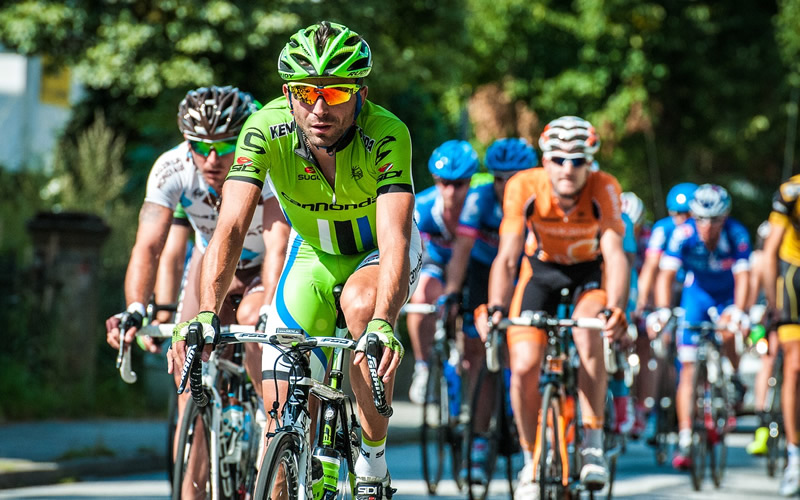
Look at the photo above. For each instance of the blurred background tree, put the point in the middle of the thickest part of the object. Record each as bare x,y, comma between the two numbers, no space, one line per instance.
699,91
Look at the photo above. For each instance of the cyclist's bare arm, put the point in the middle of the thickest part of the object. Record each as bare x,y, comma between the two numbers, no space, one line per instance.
457,266
276,236
170,269
663,290
647,279
394,217
239,201
504,271
771,246
154,222
741,287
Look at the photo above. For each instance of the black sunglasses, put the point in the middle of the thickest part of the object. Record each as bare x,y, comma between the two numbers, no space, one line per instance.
580,161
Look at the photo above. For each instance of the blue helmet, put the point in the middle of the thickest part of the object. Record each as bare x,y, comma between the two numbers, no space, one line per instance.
510,155
454,160
679,197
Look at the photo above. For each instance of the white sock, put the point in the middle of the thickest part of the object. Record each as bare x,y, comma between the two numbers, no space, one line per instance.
371,462
685,438
527,456
793,453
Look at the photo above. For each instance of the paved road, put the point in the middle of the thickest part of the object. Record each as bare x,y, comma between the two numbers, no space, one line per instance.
638,477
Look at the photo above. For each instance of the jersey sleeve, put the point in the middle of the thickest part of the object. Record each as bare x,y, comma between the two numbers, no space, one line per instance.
658,238
672,258
607,195
515,197
164,184
783,203
179,217
629,241
391,153
740,239
258,138
469,223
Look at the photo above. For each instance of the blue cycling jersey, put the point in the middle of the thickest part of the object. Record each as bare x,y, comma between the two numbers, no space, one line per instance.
711,270
428,213
480,219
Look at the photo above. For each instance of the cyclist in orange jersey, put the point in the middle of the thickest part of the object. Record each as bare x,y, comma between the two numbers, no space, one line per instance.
574,225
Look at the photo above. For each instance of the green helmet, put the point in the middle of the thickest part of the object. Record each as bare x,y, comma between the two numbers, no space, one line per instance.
345,54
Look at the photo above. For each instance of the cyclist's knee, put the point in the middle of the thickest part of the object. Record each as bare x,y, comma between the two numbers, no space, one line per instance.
247,312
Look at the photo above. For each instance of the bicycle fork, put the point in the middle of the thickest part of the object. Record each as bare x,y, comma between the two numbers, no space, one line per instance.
562,435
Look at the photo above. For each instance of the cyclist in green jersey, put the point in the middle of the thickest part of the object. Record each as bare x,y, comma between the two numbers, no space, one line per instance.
340,167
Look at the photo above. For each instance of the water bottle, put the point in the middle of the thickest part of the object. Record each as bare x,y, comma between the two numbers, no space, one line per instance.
247,431
453,389
231,429
329,460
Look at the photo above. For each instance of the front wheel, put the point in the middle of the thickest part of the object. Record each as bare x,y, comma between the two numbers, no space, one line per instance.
190,478
435,424
279,478
552,469
488,383
700,412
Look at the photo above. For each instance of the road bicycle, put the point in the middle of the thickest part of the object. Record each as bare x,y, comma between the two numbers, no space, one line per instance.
776,442
556,457
442,427
711,407
296,465
217,446
500,432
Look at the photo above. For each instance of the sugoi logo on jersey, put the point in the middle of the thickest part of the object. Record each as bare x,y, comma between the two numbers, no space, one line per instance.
309,175
281,129
356,172
386,167
244,161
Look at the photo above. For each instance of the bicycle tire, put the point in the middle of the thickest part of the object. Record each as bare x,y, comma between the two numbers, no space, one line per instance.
550,468
717,447
699,446
494,434
280,462
776,443
435,416
172,427
188,451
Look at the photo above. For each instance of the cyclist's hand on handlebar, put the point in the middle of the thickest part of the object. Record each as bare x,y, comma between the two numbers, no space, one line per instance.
392,348
210,323
616,325
450,303
132,318
481,319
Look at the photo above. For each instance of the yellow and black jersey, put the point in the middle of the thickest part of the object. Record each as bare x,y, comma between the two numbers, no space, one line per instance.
786,213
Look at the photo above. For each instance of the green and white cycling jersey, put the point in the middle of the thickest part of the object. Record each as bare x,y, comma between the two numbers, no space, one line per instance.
373,158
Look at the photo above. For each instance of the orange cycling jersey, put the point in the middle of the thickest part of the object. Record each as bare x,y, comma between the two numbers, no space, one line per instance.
555,235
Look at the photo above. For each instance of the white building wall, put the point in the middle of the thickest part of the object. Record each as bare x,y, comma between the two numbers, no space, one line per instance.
30,121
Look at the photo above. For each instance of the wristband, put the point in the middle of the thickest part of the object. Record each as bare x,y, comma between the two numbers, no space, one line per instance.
137,307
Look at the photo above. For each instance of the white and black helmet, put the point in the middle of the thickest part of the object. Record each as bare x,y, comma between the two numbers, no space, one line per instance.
214,113
571,135
710,200
633,207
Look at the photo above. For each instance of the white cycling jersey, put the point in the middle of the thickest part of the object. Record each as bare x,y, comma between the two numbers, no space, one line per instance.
175,179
